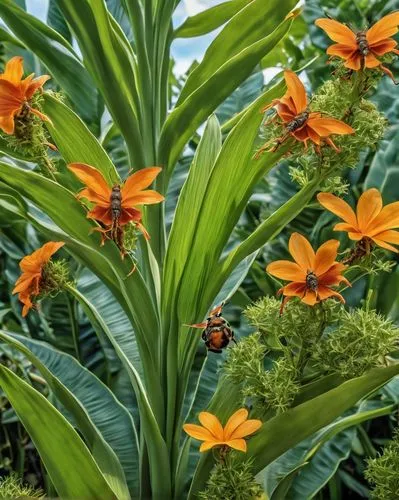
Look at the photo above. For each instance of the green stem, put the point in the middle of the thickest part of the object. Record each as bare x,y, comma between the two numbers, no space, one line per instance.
74,326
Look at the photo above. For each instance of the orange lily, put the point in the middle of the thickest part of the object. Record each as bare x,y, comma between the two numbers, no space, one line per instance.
372,223
299,122
213,434
361,49
15,93
116,206
312,274
28,285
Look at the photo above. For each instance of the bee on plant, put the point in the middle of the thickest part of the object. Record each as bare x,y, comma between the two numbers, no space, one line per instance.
299,122
217,333
116,206
361,49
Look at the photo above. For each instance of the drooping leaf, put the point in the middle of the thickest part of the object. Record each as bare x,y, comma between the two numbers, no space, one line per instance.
58,444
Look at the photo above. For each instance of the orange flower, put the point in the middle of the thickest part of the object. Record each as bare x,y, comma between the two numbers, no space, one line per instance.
312,274
116,206
362,49
15,93
372,222
213,434
29,284
299,122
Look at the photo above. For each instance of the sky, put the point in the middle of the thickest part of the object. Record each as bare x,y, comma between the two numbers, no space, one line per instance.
183,50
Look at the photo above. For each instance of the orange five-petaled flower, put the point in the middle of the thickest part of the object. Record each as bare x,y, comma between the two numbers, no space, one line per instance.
28,285
301,123
214,434
362,49
312,274
15,93
371,223
116,206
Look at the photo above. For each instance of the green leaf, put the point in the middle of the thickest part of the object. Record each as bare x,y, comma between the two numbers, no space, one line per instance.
157,450
209,19
284,431
106,425
58,444
75,141
56,53
111,62
216,87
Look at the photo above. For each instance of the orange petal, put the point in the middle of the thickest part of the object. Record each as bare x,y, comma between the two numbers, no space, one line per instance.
327,126
148,197
296,90
368,207
246,429
338,32
294,289
370,61
14,70
338,207
48,249
101,214
7,124
325,256
207,445
310,298
35,85
389,236
341,50
237,444
343,226
202,325
239,417
139,180
384,244
388,218
24,282
384,28
217,310
11,99
92,177
383,47
354,62
198,432
302,251
325,293
94,197
212,423
286,270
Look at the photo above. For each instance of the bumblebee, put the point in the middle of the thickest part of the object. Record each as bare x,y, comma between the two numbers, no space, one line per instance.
217,332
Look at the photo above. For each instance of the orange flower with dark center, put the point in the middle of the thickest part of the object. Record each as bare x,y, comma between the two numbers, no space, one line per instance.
300,123
116,206
214,434
371,224
30,283
312,274
16,94
361,49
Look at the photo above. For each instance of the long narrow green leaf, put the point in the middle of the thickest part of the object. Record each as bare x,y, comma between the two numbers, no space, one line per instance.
157,451
56,53
107,426
110,59
188,116
74,140
72,469
209,19
251,25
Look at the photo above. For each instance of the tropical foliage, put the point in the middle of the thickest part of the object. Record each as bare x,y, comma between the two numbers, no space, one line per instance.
134,202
